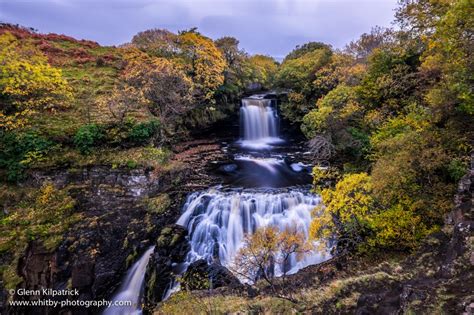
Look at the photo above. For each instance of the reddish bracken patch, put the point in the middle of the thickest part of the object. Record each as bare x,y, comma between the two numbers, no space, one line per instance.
21,32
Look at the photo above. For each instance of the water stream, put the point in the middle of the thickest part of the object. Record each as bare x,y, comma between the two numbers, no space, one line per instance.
262,189
131,288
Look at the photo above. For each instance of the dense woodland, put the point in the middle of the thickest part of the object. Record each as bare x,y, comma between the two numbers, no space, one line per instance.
388,119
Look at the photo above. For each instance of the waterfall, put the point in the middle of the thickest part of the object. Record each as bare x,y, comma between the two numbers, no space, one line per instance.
217,221
259,123
271,193
132,288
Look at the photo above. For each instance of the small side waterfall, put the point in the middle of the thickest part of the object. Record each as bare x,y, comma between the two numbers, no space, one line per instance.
132,288
219,220
259,123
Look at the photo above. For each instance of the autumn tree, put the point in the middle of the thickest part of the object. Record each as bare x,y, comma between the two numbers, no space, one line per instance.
163,88
298,74
368,42
28,84
202,62
157,42
263,70
344,211
449,56
237,73
267,248
229,46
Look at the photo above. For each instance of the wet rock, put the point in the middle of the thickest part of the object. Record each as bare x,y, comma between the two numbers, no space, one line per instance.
171,250
201,275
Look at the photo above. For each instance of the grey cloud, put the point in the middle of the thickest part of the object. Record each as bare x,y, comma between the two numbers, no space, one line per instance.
272,27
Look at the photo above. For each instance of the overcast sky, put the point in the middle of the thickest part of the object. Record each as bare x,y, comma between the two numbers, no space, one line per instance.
272,27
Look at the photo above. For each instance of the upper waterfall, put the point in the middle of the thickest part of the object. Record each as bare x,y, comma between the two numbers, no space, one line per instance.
259,123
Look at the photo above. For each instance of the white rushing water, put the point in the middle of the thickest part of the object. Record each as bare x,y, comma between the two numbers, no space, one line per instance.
217,222
131,288
259,122
271,164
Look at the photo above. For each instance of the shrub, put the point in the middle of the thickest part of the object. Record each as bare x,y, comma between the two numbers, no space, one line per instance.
346,211
87,137
142,132
357,218
20,150
456,169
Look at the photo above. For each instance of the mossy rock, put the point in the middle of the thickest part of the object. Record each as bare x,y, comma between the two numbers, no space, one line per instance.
158,204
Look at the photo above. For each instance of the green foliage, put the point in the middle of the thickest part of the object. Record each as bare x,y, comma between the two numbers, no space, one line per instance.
316,121
405,114
338,117
450,52
457,168
87,137
18,151
262,70
298,74
142,132
299,51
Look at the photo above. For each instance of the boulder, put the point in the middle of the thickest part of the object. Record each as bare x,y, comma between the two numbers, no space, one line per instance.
201,275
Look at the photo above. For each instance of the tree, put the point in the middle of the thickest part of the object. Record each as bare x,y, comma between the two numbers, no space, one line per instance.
163,88
263,70
237,72
266,248
338,120
203,62
229,46
300,51
410,155
298,74
368,42
28,84
157,42
450,55
344,211
121,102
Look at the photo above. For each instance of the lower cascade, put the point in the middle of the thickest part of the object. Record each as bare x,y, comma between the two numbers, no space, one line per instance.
217,221
131,289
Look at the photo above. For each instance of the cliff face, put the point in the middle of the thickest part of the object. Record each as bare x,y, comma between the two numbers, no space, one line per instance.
118,222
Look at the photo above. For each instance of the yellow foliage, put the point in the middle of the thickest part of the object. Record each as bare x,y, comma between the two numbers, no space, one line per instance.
203,61
264,69
27,83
